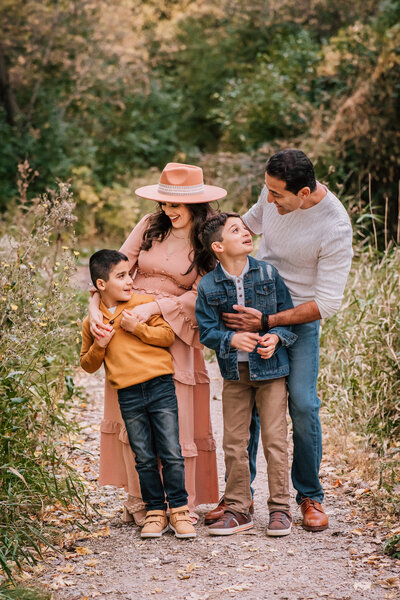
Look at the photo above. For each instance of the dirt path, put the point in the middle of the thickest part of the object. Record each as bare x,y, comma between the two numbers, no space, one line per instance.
111,561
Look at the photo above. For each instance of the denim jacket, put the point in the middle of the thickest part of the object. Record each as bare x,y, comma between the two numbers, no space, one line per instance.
264,290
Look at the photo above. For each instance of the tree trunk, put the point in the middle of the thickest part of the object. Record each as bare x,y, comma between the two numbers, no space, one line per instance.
7,98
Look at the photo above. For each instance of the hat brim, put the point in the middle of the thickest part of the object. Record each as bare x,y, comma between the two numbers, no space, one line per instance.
210,193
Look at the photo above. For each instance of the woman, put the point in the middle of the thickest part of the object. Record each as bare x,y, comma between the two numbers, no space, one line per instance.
167,260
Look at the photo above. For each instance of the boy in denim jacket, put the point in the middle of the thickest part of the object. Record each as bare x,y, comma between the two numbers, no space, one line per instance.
254,367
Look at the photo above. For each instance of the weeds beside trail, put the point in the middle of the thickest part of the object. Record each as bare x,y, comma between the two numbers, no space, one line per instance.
360,368
38,331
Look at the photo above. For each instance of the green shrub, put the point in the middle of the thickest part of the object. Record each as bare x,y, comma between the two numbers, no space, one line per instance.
360,359
39,335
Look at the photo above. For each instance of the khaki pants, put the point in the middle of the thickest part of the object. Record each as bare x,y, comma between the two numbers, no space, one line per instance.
238,398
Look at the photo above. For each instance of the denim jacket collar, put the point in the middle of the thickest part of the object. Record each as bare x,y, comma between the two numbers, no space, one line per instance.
219,274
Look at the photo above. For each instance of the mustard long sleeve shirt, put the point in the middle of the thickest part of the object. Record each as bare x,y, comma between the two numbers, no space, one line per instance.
129,358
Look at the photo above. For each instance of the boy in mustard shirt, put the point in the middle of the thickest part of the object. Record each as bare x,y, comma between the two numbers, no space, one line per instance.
138,364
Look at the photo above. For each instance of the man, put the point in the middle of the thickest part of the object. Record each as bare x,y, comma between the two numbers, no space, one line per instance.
307,236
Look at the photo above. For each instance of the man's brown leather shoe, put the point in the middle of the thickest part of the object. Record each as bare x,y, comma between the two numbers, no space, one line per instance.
314,516
216,513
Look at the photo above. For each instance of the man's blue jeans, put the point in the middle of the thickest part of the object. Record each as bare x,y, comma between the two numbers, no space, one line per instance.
304,407
150,414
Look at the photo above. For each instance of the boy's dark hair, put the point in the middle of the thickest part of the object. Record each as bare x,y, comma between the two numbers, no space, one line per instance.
294,168
212,229
101,263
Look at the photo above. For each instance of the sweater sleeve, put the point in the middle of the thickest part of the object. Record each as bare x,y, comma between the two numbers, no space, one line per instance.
334,263
92,355
253,219
155,332
179,312
132,244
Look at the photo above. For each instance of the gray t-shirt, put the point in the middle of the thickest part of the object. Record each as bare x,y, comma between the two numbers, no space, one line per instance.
311,248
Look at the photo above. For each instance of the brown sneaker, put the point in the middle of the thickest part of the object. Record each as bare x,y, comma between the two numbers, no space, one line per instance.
231,521
155,524
314,516
280,523
181,523
216,513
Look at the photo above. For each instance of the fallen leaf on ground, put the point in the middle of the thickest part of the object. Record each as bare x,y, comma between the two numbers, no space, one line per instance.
81,550
362,585
105,532
91,563
389,582
67,569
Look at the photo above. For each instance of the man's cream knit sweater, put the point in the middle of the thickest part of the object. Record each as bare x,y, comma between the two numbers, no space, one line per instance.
310,247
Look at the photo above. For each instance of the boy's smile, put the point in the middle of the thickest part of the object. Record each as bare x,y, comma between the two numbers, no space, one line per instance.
118,287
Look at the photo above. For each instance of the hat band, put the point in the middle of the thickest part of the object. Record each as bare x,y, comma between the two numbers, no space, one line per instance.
181,190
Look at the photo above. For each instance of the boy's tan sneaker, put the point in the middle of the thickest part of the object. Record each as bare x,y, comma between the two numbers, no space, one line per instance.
181,523
155,524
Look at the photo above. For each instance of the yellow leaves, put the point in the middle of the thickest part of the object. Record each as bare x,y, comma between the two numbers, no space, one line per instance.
81,550
60,582
91,563
185,573
13,307
104,532
390,582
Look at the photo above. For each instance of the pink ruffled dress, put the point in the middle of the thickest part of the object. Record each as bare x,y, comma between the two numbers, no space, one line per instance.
161,275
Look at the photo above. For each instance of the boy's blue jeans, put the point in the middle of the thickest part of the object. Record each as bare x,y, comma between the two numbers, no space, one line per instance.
304,407
150,414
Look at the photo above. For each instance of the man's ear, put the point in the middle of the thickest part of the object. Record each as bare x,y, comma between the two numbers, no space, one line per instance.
100,284
304,193
217,247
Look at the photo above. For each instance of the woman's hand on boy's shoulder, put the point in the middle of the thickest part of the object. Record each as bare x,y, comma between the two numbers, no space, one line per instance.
105,339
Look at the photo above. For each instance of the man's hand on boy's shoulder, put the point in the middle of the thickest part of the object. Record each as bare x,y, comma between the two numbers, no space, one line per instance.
245,318
267,344
105,340
245,341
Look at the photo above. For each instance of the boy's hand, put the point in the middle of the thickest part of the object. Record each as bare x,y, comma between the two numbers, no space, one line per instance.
129,321
268,343
105,340
245,341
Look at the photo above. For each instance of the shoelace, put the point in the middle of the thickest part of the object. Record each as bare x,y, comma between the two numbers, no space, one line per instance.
281,517
309,502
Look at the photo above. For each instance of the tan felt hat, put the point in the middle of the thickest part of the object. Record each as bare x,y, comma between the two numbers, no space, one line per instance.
181,183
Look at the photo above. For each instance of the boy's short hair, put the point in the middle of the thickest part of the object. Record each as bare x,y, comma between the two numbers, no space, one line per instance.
101,263
211,230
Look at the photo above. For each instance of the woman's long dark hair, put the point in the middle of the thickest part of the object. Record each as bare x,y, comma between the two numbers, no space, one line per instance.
159,226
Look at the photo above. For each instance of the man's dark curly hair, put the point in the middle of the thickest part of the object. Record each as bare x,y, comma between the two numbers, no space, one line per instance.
294,168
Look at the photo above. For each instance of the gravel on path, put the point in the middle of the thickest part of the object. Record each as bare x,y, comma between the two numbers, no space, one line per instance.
112,561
